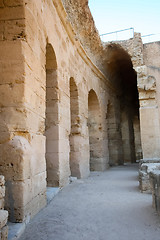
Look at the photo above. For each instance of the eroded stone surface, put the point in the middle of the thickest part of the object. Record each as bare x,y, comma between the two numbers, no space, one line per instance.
3,213
146,167
155,187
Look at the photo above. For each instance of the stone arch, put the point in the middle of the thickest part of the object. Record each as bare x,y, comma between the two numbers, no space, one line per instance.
51,120
75,130
121,71
95,132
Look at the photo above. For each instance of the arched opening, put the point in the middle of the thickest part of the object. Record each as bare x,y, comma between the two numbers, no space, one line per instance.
95,132
75,132
51,121
122,74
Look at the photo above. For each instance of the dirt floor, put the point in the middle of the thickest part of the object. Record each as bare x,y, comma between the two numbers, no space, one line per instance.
106,206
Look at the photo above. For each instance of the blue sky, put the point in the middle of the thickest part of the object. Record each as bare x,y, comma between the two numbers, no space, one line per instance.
113,15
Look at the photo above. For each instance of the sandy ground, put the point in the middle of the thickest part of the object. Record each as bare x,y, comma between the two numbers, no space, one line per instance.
106,206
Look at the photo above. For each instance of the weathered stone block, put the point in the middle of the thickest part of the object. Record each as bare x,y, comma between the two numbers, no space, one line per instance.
6,13
2,181
2,203
144,171
2,192
3,218
23,195
155,187
16,167
1,4
13,3
4,233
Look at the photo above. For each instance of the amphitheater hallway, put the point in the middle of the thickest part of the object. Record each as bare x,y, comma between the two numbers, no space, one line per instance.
70,104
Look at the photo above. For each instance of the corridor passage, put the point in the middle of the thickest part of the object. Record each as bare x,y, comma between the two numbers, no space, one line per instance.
106,206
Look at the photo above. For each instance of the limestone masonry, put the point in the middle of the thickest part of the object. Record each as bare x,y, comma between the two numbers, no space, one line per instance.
69,103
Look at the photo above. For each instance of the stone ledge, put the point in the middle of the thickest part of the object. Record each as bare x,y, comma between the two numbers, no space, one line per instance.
149,160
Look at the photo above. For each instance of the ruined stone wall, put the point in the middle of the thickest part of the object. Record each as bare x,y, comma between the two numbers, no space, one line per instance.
134,47
40,56
60,115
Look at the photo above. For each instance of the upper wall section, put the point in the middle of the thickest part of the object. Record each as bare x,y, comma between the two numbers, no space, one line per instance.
134,47
151,53
81,19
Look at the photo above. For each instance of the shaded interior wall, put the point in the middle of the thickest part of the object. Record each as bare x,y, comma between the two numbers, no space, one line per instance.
120,70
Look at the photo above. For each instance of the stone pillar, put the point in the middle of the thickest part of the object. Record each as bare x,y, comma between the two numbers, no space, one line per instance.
155,188
149,114
115,145
128,136
137,138
79,149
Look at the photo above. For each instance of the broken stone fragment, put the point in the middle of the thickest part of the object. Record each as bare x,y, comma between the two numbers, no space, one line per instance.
2,192
4,233
2,203
2,181
3,218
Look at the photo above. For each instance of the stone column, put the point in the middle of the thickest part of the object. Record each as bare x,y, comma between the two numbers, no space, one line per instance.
115,144
128,136
137,138
149,114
